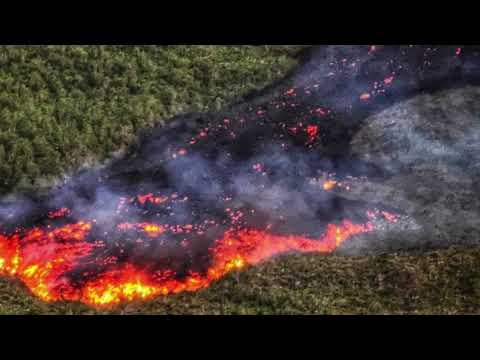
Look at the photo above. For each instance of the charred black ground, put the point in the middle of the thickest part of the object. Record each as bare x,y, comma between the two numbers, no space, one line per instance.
257,157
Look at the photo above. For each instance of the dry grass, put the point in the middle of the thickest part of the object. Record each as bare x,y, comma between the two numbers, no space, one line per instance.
435,282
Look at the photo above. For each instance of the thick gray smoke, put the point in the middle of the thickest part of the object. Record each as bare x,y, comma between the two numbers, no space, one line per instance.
431,145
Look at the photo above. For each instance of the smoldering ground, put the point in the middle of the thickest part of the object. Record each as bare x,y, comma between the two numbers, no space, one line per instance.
431,146
257,158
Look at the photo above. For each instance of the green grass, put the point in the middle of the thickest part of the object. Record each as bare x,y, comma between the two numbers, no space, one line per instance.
435,282
62,105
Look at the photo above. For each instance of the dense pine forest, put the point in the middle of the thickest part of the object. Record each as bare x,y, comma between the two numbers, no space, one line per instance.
62,106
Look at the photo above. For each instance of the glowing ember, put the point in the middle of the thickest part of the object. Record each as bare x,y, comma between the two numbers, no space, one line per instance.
365,96
143,199
389,217
58,213
389,80
312,131
290,92
329,185
258,167
151,230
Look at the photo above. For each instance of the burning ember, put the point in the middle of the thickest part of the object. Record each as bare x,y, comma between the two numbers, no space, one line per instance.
329,185
312,131
365,96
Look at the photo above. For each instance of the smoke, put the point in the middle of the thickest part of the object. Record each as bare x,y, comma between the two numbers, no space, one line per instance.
247,158
334,151
432,129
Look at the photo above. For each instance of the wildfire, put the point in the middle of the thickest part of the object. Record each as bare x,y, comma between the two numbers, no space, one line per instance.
42,259
329,185
365,96
312,132
58,213
152,230
150,198
50,260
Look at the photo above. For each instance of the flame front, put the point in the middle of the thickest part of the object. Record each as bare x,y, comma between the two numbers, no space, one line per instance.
42,259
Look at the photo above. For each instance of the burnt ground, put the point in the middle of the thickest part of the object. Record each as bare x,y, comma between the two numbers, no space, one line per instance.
430,144
209,157
427,91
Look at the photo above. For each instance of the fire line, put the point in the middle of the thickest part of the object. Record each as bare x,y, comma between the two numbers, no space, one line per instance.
42,258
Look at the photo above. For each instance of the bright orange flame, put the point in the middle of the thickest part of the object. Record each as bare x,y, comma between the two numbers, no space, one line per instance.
152,230
41,259
329,185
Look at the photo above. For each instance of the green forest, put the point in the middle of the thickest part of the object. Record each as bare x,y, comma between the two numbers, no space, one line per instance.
62,106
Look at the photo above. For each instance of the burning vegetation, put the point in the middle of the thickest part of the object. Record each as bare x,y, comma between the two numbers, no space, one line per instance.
45,259
210,194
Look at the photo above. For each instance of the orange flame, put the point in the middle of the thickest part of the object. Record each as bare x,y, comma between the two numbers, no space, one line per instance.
329,185
41,260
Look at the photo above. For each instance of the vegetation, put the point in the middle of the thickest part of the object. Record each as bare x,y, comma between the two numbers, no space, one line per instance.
63,105
439,282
